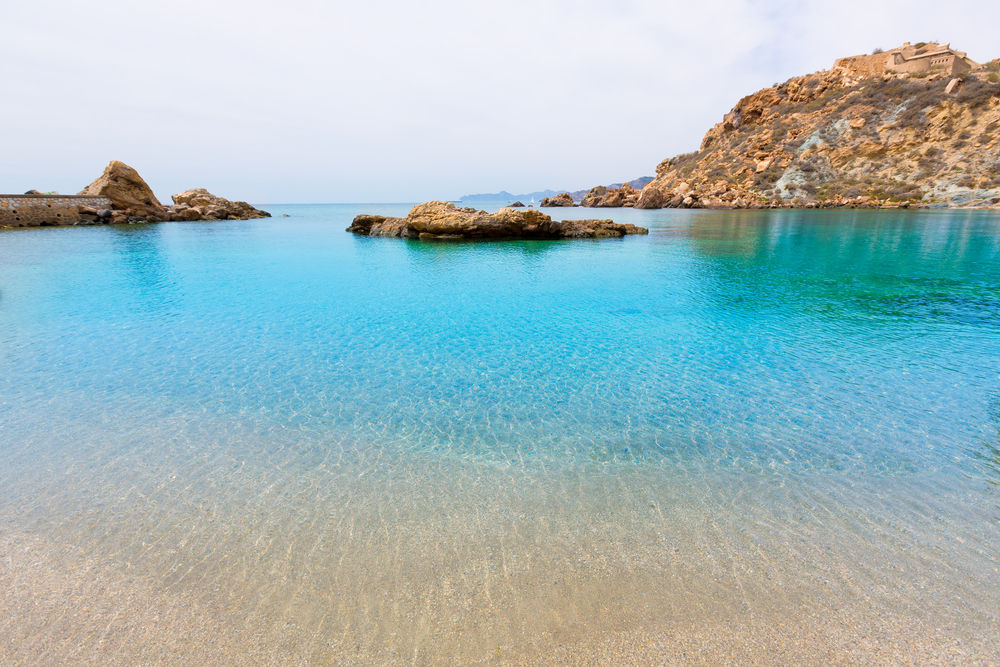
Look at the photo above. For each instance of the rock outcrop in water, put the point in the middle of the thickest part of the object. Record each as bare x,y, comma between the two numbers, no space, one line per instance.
564,199
444,220
132,200
847,138
200,204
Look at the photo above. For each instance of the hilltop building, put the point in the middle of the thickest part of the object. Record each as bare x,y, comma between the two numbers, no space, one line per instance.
921,58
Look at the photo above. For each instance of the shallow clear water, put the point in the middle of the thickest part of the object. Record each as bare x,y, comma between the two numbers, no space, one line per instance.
274,441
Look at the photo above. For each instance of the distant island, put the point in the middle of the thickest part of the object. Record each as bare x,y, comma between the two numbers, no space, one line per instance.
576,195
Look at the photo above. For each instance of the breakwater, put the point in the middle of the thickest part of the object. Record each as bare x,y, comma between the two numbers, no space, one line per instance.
47,210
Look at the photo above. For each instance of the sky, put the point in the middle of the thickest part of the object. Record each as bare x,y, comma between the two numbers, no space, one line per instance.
392,101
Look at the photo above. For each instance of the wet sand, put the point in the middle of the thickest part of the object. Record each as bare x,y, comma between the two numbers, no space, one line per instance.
68,609
470,566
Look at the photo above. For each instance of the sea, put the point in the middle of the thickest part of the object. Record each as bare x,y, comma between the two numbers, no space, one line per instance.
748,437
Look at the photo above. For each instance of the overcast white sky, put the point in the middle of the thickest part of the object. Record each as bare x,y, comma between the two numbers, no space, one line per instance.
383,100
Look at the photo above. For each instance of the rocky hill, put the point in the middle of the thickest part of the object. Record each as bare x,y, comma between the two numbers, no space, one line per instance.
845,137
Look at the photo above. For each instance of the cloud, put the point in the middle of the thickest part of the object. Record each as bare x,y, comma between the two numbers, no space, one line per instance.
320,101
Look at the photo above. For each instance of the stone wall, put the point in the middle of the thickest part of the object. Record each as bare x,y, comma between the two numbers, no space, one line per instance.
45,210
864,65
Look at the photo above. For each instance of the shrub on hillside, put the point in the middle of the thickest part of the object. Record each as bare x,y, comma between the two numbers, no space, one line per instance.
976,93
767,178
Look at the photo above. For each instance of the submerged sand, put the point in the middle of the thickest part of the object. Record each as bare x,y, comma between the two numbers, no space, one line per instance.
472,565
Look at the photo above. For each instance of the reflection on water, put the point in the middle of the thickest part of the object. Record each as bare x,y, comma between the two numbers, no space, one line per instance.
140,249
274,441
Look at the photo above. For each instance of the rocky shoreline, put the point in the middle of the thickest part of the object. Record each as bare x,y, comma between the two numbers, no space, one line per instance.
438,220
129,199
132,200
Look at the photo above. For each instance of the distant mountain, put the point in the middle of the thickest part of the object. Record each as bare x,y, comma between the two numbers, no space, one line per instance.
538,196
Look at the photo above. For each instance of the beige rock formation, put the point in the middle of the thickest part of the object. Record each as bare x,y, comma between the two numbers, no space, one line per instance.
602,197
564,199
200,204
127,191
133,199
444,220
594,196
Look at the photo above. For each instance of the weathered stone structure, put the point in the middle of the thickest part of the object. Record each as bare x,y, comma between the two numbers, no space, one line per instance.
919,59
44,210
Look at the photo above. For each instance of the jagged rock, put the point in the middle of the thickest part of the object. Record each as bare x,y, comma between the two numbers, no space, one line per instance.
593,198
516,204
602,197
127,191
185,213
444,220
378,225
207,206
564,199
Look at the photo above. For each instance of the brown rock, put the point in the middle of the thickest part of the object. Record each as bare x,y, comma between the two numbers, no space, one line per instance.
377,225
185,213
651,198
565,199
444,220
594,197
125,188
602,197
213,207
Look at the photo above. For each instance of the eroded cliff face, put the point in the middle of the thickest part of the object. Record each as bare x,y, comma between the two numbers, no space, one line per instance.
835,139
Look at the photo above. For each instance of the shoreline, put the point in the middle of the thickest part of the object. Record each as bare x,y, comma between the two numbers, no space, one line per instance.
805,207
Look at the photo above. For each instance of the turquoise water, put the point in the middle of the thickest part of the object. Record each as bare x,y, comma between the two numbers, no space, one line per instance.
386,450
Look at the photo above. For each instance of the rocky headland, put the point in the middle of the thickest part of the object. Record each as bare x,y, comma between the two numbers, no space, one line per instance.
863,134
444,220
